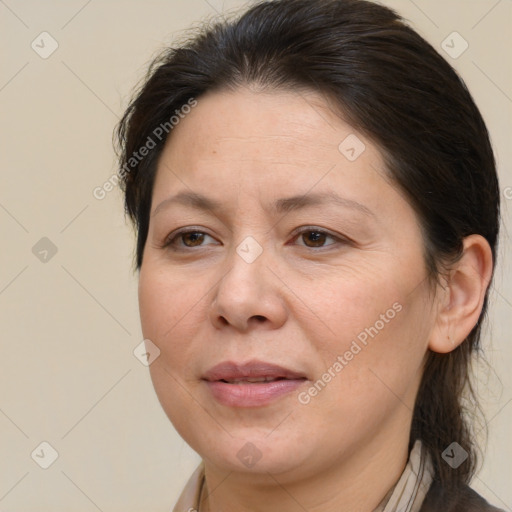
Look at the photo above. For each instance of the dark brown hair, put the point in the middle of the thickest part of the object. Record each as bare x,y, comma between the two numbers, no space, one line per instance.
389,83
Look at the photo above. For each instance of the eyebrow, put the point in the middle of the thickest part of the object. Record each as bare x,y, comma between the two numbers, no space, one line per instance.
283,205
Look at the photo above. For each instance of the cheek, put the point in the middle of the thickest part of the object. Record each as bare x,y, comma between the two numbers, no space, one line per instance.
352,302
169,314
373,321
153,301
164,298
381,361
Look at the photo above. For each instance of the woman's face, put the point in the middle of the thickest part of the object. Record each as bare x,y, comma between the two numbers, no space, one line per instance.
293,321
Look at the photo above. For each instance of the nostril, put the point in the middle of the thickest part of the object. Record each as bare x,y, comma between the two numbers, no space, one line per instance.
259,318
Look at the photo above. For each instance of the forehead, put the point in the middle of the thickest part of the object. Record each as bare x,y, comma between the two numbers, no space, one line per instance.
276,120
258,135
255,155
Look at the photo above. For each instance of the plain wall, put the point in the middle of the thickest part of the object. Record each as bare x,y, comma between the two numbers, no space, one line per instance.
69,325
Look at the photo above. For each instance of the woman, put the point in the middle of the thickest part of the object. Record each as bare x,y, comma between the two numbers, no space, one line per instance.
317,210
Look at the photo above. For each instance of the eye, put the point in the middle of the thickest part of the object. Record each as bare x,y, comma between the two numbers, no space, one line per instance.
312,237
315,238
189,238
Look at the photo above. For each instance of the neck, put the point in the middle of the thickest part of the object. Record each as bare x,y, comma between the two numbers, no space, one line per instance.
359,482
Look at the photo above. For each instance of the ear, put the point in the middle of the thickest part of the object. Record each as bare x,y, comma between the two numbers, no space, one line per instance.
462,297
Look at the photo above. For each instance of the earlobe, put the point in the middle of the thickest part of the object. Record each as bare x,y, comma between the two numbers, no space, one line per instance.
460,304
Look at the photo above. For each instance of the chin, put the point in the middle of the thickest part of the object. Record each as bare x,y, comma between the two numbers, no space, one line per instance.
254,453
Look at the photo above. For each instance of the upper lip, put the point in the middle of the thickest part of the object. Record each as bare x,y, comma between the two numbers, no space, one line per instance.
229,370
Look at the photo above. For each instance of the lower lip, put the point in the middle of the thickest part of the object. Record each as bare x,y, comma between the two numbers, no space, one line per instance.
252,394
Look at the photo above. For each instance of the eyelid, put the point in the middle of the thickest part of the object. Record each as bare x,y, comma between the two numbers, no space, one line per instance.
339,239
169,239
318,229
175,235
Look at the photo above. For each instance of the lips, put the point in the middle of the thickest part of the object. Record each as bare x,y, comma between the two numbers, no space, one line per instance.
251,384
253,370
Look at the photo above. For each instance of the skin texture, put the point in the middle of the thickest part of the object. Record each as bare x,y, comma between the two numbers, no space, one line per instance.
300,304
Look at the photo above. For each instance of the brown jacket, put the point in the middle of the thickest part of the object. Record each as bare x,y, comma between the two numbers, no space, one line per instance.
463,499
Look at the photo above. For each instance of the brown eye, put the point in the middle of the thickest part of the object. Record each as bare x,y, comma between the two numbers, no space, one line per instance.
314,238
185,239
194,237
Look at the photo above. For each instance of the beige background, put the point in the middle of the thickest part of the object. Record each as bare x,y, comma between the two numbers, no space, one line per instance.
69,325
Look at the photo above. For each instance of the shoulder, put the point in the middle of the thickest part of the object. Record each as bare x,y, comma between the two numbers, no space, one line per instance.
460,499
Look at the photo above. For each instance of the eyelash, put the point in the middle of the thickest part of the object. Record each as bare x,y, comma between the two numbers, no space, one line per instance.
170,240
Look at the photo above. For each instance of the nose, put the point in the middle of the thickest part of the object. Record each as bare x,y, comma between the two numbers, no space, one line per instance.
249,295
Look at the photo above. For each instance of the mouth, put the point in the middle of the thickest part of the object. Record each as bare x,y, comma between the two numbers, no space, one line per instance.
252,384
251,380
